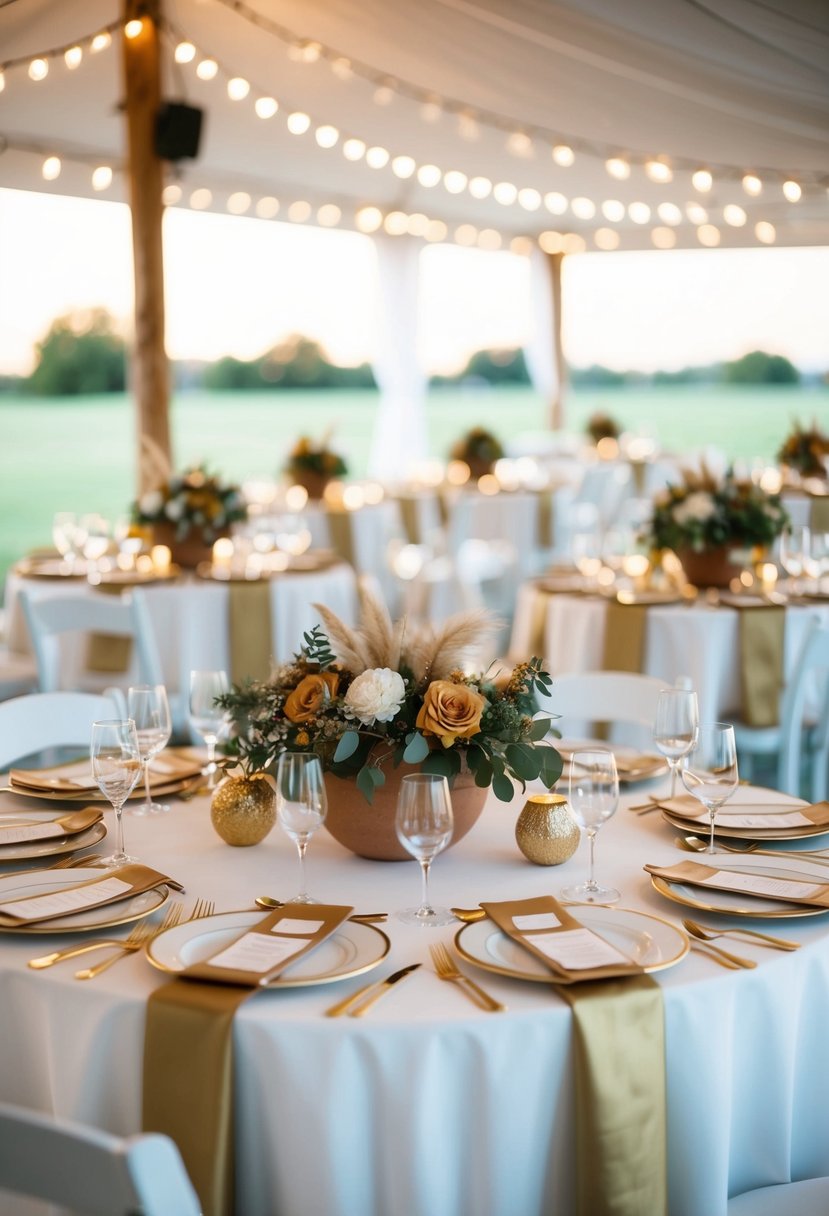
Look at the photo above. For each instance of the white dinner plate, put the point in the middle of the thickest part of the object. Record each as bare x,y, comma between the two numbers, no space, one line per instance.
734,903
649,941
44,882
353,949
751,799
51,848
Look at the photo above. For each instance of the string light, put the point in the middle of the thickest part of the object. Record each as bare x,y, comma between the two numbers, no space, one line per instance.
101,178
396,223
403,166
702,180
734,215
354,149
480,187
708,235
613,210
377,157
520,144
563,155
752,184
238,89
327,136
606,238
429,175
640,213
266,107
765,232
455,181
51,168
2,81
418,223
134,27
696,214
529,199
185,52
659,171
298,122
329,215
207,69
369,219
171,194
583,208
505,193
383,95
72,57
551,242
488,238
341,67
299,212
101,42
618,168
555,203
267,207
466,235
38,69
239,202
201,199
663,238
792,191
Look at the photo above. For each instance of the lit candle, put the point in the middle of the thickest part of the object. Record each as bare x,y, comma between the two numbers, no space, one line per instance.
160,556
223,554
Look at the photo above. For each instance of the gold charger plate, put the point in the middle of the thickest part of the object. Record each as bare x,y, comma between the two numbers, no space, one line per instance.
650,941
22,791
132,578
628,772
51,848
44,882
352,950
728,903
49,567
770,802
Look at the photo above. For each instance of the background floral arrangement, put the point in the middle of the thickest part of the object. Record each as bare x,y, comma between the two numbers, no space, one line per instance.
380,695
706,512
602,426
308,456
478,445
194,500
806,449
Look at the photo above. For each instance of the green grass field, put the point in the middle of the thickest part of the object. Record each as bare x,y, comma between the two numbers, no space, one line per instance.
77,454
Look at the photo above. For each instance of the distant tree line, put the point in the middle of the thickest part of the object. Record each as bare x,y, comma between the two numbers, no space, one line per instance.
84,354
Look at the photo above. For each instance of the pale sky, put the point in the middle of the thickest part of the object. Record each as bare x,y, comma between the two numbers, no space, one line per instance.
237,285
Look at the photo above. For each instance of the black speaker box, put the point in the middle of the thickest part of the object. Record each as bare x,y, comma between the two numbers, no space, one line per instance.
177,130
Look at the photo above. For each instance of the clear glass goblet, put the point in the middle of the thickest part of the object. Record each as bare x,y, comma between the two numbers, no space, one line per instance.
593,798
301,806
116,766
206,717
149,709
424,825
675,727
709,771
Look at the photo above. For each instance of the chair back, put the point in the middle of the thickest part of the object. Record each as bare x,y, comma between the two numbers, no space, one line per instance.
55,620
624,699
50,719
91,1171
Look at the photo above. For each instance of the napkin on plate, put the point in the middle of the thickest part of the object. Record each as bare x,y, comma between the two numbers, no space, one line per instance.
29,831
742,882
108,888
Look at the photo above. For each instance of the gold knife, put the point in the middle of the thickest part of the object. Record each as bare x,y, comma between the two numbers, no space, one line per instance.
368,995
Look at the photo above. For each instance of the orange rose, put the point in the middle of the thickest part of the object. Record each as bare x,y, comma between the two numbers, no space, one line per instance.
309,696
450,711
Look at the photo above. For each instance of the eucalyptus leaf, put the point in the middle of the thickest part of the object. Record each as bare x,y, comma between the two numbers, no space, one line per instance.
503,787
483,777
347,746
417,748
365,783
523,760
444,764
539,728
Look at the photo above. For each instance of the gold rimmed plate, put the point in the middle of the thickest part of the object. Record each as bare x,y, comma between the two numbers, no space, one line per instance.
45,882
52,848
352,950
649,941
632,766
732,903
754,801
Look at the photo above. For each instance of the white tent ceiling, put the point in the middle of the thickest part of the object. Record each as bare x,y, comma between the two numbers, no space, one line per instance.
484,89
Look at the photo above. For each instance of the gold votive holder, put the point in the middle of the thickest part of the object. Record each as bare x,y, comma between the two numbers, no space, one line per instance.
545,831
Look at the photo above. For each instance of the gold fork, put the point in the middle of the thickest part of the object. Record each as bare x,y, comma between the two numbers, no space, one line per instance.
201,909
447,970
140,935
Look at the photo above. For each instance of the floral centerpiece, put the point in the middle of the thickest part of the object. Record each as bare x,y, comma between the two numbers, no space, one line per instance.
711,516
189,512
313,465
382,699
478,448
602,426
806,451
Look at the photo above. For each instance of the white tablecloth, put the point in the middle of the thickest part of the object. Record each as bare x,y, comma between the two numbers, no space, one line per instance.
429,1106
699,641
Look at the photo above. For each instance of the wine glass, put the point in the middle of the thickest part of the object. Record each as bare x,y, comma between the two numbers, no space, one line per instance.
424,826
675,727
710,770
206,717
64,536
116,766
149,709
301,805
794,554
594,797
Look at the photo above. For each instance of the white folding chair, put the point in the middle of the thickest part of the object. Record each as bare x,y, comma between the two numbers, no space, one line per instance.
807,1198
803,732
57,619
50,719
627,700
90,1171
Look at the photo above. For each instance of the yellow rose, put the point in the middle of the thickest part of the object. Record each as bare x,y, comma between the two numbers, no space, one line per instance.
309,696
450,711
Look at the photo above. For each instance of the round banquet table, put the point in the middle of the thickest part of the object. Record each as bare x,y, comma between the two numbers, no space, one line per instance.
429,1106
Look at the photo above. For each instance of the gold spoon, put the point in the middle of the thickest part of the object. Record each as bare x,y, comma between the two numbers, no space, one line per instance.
695,845
468,915
361,918
706,933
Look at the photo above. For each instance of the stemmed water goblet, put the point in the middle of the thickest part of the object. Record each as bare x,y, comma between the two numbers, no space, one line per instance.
794,555
593,798
301,806
65,537
675,727
116,766
424,824
206,717
709,771
149,709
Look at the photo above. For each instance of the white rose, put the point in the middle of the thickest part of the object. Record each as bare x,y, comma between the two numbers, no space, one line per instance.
150,503
375,696
697,506
174,509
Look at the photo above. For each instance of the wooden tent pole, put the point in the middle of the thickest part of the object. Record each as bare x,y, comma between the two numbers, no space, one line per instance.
556,261
150,370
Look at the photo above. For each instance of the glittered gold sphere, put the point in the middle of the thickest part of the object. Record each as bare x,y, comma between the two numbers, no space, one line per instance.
243,810
545,831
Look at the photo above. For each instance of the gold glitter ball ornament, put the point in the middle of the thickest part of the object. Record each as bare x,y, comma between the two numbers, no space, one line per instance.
243,809
545,831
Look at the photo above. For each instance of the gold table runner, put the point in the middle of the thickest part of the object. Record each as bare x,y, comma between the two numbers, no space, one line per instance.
188,1041
819,513
342,536
624,637
108,652
249,618
621,1137
409,518
762,633
545,519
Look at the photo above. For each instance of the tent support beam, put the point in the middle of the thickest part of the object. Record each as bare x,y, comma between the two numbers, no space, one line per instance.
556,415
150,370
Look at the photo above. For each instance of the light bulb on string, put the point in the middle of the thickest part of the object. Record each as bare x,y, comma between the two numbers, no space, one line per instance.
185,52
266,107
752,185
354,149
403,166
238,89
563,155
702,180
133,28
792,191
101,178
377,157
298,122
327,136
207,69
38,69
100,42
618,168
51,168
72,57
